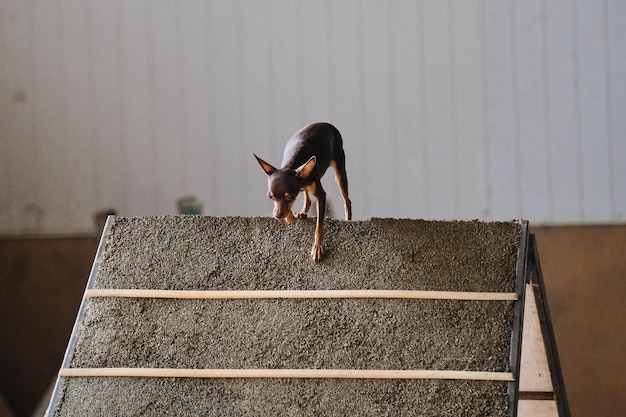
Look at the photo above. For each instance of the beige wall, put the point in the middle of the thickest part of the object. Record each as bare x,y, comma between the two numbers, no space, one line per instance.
584,267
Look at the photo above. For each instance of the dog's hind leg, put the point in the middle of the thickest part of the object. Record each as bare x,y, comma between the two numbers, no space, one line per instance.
342,181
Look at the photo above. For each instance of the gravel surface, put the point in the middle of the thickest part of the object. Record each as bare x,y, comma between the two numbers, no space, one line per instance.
234,253
192,252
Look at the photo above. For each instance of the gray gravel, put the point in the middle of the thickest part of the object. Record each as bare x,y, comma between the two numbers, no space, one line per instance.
191,252
197,253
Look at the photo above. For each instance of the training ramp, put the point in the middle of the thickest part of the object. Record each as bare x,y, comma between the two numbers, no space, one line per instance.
228,316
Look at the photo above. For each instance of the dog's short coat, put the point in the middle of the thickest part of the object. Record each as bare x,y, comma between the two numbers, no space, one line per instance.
307,156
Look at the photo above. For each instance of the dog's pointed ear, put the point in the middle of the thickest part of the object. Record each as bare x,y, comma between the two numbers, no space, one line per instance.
269,170
305,170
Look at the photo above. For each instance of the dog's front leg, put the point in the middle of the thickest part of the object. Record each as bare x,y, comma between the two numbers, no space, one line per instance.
318,248
307,205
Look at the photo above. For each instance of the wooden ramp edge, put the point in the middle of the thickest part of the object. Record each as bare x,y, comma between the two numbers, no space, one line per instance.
542,389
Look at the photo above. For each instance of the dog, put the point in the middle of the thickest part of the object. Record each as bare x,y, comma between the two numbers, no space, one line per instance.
307,156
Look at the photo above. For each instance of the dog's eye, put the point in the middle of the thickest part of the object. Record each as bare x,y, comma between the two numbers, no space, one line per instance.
290,197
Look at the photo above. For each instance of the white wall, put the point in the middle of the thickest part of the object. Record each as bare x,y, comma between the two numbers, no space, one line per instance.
463,109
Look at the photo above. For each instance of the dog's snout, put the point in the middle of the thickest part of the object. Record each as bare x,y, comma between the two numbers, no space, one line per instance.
284,212
280,212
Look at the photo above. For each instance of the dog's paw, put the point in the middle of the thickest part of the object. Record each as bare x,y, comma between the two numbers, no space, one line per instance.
302,216
317,252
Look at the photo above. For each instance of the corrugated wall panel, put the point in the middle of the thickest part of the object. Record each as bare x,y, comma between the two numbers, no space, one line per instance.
531,108
108,107
378,140
256,108
563,129
469,110
75,106
225,25
136,153
449,109
346,58
6,212
197,102
594,110
617,89
502,126
51,139
439,88
164,63
406,90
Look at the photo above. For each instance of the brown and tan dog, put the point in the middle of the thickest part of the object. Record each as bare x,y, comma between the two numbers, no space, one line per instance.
307,156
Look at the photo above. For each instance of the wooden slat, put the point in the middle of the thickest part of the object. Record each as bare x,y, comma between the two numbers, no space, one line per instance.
535,373
542,408
285,373
299,294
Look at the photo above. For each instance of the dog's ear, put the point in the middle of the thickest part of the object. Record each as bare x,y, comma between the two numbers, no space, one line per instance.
305,170
266,167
